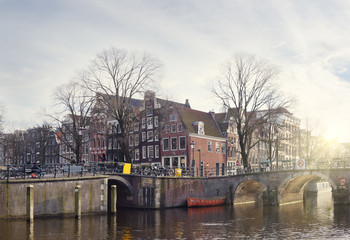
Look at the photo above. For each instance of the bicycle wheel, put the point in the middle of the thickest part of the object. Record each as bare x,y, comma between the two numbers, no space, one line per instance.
3,174
17,174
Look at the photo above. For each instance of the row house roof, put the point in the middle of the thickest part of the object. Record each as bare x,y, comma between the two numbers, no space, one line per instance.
190,117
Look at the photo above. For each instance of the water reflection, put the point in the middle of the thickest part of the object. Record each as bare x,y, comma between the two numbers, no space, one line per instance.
30,230
314,219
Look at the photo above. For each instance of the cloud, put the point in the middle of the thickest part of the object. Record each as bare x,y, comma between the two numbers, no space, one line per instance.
43,44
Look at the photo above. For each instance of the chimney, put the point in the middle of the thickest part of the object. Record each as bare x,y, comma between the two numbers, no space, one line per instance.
187,104
149,94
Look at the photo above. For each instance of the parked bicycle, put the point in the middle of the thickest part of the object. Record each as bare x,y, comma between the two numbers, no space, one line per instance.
14,172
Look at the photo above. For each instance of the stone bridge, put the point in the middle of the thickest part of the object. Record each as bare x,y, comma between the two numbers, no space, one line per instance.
56,196
268,188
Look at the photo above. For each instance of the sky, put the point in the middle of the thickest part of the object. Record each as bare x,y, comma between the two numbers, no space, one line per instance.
44,44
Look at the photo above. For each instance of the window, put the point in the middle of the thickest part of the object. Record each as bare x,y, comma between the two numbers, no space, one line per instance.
166,144
156,151
156,123
149,123
173,117
175,162
131,141
201,128
217,147
167,128
173,143
143,136
183,161
182,143
110,128
223,147
210,146
143,123
137,154
144,152
136,139
173,128
179,127
136,127
167,161
149,136
150,151
156,137
149,112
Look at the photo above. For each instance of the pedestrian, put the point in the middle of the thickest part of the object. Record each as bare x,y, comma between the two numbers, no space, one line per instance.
35,170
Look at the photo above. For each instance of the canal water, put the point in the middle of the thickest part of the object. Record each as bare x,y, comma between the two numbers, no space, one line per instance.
313,219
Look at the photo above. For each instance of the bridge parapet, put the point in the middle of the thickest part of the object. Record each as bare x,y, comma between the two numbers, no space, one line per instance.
269,187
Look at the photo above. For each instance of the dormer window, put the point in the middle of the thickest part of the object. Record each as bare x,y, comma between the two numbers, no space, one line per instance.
201,128
173,117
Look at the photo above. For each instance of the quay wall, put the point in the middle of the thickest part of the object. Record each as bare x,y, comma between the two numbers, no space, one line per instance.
53,197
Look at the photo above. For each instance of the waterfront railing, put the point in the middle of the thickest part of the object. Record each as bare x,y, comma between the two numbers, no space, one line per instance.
23,171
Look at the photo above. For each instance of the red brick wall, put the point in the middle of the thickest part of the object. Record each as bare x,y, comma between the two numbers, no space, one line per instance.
204,155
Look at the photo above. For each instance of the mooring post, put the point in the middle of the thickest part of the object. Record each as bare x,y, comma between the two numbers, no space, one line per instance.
77,202
30,203
113,199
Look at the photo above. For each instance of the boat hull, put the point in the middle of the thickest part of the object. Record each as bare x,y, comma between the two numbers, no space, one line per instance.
205,202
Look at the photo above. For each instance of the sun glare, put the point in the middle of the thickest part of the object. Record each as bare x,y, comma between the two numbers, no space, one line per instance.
333,135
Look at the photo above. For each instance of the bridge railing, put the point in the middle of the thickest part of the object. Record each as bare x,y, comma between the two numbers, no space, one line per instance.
22,171
67,170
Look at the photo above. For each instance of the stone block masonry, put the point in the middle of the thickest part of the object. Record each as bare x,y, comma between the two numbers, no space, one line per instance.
53,197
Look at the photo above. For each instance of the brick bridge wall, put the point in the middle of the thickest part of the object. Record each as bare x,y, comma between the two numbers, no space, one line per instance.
268,187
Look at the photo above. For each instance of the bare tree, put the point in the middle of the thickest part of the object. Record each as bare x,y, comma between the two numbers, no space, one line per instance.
270,137
117,77
276,133
312,145
246,87
75,116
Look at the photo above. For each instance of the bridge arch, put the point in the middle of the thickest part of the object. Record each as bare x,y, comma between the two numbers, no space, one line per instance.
122,184
248,191
292,189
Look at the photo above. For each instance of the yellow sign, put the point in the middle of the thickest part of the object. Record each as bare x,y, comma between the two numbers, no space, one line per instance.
127,168
178,172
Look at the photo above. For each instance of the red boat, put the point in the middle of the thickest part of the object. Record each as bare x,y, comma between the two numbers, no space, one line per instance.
206,202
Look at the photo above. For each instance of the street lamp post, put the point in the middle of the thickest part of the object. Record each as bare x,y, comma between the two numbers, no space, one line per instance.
199,160
192,147
81,149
